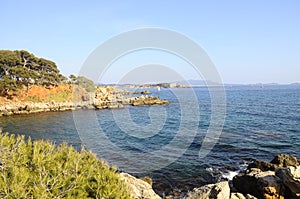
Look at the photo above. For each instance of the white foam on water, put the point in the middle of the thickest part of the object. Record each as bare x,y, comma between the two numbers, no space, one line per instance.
230,174
209,169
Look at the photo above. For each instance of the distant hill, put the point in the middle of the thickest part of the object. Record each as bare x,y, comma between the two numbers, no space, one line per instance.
193,82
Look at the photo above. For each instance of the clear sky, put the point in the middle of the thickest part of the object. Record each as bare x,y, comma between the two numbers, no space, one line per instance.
250,41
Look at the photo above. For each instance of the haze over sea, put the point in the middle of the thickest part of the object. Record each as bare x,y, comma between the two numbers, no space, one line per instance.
260,123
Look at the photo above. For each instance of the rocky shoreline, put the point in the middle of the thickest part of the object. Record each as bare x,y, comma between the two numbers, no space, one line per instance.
278,179
21,108
103,98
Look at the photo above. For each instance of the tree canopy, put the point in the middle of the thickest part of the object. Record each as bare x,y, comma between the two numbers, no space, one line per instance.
20,67
84,82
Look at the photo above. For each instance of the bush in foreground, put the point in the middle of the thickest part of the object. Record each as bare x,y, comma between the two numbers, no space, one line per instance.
40,169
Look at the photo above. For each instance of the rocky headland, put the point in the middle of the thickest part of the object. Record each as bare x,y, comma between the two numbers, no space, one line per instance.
103,98
110,97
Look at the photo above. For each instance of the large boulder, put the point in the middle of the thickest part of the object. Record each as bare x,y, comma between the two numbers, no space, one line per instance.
263,166
281,160
139,189
285,160
259,184
291,179
220,190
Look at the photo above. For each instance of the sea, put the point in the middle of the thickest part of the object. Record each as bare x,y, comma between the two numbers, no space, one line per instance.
164,141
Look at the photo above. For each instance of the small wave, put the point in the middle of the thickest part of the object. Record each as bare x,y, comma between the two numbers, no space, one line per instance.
230,174
225,174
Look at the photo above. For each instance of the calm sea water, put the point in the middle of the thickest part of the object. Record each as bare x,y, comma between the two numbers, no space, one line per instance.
260,123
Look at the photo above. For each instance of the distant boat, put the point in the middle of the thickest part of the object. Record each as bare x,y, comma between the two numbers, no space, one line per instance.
158,89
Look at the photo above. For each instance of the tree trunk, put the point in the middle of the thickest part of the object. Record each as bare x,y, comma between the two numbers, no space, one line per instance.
25,62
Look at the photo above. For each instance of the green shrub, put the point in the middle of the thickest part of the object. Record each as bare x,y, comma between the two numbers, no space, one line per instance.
59,97
40,169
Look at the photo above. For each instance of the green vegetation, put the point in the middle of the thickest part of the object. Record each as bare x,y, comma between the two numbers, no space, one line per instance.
39,169
84,82
19,68
6,85
58,97
34,99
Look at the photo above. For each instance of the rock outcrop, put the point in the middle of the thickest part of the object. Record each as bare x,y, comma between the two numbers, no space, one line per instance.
109,97
17,108
261,184
279,179
290,177
220,190
285,160
281,160
139,189
147,100
263,166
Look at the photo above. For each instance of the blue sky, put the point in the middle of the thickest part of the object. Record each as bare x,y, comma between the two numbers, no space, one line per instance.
249,41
